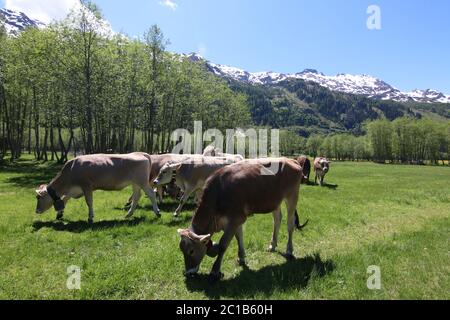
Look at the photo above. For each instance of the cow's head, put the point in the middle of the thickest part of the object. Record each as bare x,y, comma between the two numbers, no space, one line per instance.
194,248
166,173
325,164
44,201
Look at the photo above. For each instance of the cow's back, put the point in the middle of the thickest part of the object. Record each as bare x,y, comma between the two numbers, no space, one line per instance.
110,172
249,185
200,169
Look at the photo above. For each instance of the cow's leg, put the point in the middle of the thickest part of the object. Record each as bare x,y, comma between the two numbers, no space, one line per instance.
187,193
276,229
134,201
88,196
198,196
291,205
230,232
241,250
128,204
160,191
315,178
151,194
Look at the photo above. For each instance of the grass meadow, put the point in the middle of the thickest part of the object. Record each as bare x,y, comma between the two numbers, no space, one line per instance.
394,217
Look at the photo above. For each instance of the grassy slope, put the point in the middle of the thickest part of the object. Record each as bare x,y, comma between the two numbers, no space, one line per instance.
396,217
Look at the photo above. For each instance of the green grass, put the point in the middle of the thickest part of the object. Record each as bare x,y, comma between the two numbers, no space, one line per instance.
395,217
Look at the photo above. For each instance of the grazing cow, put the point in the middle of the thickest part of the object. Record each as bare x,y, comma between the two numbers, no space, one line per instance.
305,163
230,196
321,168
86,174
157,162
191,175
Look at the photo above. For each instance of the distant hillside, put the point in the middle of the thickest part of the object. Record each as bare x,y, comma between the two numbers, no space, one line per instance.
311,108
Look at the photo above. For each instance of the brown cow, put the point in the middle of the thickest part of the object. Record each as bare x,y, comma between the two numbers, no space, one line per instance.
305,163
321,168
230,196
86,174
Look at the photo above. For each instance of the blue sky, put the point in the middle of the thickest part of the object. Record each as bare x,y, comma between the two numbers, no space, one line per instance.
411,50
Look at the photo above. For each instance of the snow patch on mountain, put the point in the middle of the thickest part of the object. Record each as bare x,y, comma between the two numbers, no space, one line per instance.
365,85
15,22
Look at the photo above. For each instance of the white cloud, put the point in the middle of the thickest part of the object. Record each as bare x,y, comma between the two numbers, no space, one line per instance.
169,4
43,10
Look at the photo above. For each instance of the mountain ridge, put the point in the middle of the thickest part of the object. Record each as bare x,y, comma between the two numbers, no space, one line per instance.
364,84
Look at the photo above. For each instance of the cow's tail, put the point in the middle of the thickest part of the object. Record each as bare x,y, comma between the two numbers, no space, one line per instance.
297,222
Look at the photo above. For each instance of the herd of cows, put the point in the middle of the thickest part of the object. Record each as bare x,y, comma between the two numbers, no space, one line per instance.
227,187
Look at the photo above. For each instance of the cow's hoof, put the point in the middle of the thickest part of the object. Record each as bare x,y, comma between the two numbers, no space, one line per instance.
128,216
127,206
215,276
176,215
241,262
91,221
158,215
289,256
59,216
272,249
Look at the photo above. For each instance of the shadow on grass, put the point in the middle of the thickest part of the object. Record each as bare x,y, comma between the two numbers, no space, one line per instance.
325,185
181,221
295,273
172,206
166,206
82,226
33,174
331,186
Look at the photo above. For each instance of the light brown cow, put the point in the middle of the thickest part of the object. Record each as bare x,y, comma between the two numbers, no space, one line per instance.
157,162
191,175
321,168
233,194
86,174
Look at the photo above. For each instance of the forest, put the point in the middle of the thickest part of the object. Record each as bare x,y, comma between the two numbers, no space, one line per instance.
406,140
68,89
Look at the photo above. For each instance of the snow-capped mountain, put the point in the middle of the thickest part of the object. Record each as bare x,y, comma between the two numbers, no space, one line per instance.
16,22
355,84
